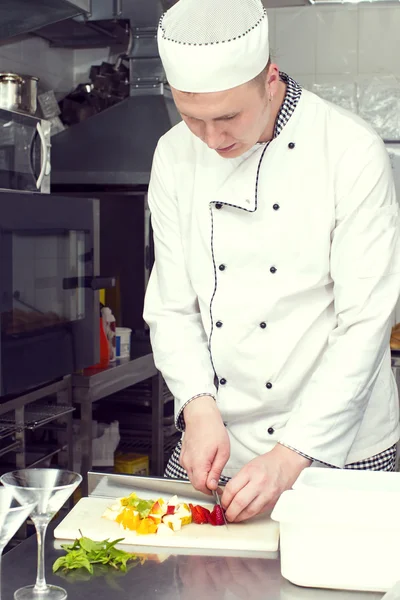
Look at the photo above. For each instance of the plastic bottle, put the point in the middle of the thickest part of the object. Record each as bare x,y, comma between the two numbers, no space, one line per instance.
104,348
110,327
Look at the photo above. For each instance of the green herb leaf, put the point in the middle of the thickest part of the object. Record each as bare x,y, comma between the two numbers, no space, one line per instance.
84,553
59,563
89,545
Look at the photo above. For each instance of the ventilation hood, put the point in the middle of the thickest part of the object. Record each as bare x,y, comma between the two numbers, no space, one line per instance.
23,16
116,146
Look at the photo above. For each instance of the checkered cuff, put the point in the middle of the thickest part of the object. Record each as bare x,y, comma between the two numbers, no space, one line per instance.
180,419
306,455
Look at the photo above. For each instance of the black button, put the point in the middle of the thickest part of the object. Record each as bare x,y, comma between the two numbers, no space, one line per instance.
263,325
219,323
222,267
268,385
273,269
271,430
218,206
222,381
276,207
292,145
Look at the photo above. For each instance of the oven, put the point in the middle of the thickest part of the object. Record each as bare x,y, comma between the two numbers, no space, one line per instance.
49,265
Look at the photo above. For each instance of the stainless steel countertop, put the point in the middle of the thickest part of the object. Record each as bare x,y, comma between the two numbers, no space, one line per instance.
178,577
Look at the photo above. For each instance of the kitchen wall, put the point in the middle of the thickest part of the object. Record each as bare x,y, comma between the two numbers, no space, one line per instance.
336,43
33,56
328,49
84,59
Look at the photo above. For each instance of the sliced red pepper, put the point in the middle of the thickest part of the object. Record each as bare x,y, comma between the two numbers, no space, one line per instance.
170,510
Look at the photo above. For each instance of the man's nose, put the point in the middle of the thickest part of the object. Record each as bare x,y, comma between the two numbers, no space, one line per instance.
212,136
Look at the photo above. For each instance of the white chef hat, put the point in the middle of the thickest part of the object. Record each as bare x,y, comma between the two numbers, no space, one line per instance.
213,45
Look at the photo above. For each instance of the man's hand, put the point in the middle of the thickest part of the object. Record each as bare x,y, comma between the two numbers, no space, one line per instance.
206,447
258,485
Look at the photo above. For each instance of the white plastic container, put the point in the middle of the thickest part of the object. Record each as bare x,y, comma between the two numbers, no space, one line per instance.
123,342
347,480
340,529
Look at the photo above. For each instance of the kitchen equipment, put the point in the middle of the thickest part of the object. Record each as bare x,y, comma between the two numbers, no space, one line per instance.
217,500
22,16
258,535
18,92
48,489
343,481
29,94
24,152
339,529
394,593
10,91
49,260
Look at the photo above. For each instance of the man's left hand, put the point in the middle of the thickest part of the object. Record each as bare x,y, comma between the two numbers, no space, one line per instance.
258,485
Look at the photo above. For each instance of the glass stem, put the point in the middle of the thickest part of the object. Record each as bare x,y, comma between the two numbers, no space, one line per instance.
1,555
40,585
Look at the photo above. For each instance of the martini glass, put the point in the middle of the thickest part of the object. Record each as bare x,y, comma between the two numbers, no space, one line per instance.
49,489
12,515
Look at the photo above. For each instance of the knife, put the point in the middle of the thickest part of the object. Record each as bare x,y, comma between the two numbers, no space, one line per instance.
218,502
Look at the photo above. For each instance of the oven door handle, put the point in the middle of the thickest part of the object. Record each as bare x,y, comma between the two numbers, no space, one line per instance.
94,282
45,156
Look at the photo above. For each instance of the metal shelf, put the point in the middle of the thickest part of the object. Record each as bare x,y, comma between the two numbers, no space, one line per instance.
36,415
142,428
37,449
140,395
10,448
142,444
7,430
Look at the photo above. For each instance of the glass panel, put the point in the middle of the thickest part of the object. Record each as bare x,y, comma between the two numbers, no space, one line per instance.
20,154
43,289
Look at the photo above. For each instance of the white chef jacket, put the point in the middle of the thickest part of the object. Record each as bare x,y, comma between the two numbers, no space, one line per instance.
276,273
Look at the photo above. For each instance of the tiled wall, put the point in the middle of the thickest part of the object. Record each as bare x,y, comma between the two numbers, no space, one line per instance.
315,45
84,59
32,56
336,43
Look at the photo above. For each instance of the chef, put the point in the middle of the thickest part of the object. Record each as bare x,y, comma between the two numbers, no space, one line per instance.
277,267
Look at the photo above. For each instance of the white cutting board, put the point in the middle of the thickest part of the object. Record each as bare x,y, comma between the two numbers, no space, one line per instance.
260,534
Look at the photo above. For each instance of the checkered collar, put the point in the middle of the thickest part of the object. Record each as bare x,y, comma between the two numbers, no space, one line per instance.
293,93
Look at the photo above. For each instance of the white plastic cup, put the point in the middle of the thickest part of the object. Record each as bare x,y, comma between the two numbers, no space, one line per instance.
123,342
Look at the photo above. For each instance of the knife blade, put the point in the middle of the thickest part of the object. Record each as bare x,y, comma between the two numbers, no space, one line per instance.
217,500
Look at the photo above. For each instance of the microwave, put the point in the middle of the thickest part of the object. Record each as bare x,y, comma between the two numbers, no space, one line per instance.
49,282
24,152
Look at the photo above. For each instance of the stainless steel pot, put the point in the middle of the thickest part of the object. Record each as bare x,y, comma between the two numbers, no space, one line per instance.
29,94
18,92
10,91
